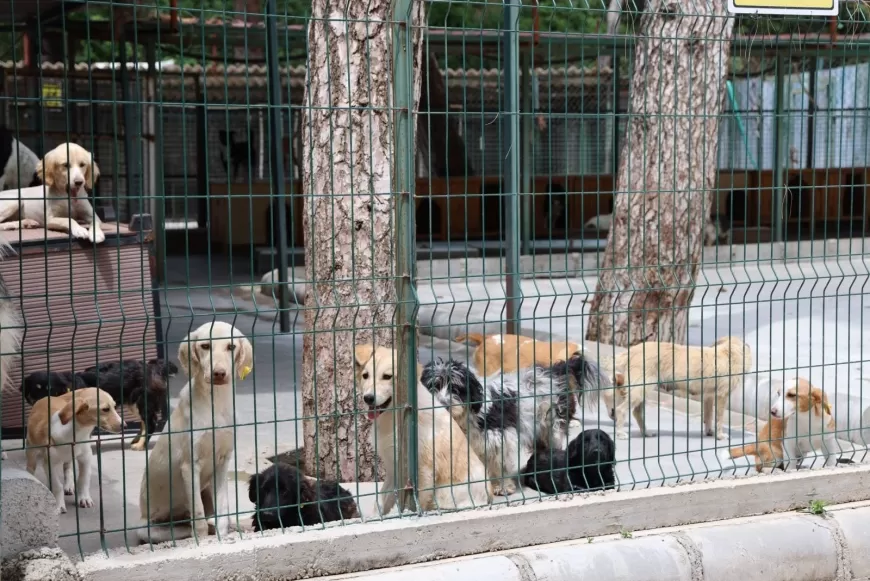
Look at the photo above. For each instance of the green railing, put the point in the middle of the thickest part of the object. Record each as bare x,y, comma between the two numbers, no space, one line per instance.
327,175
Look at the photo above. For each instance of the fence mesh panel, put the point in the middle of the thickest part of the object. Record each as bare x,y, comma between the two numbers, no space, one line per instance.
354,262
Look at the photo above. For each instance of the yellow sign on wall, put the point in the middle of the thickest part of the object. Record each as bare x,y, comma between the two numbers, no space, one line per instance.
785,7
52,95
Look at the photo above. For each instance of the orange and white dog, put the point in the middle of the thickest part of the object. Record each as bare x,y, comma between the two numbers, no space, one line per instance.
507,353
809,421
767,449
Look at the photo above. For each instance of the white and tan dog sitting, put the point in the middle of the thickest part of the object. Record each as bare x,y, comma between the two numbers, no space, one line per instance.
449,475
710,372
809,422
59,431
187,472
67,172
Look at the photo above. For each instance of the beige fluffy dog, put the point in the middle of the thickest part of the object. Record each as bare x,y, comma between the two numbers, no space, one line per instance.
507,353
711,372
449,475
67,171
186,474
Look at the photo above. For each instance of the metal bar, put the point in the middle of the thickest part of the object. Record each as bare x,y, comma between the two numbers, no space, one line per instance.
276,164
158,204
131,157
511,168
527,137
406,259
201,124
614,141
779,169
815,64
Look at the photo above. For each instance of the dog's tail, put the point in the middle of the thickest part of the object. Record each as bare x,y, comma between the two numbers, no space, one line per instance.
473,338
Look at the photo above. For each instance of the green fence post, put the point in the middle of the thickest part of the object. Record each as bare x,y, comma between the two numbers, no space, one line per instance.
779,147
527,137
511,168
405,149
276,161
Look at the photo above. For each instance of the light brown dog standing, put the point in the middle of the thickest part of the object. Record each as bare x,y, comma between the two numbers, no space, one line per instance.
59,430
507,353
710,372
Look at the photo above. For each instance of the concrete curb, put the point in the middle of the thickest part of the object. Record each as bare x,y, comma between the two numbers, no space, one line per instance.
707,555
774,548
29,513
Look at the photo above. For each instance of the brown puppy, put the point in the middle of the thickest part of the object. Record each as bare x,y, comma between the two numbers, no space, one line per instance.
59,429
449,474
507,353
711,372
768,447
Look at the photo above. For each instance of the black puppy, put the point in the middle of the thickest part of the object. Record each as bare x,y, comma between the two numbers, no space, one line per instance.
587,464
42,384
139,388
283,496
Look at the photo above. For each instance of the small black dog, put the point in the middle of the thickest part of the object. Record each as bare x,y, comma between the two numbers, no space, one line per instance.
42,384
139,388
283,496
586,465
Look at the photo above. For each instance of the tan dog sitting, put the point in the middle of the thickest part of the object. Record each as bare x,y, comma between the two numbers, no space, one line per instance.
59,430
449,474
507,353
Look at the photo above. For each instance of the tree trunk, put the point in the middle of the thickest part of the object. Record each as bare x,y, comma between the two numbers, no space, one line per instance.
666,174
348,220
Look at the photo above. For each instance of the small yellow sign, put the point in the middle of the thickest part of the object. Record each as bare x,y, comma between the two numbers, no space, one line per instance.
785,7
52,95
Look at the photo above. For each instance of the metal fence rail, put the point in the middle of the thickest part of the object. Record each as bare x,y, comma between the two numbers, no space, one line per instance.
329,224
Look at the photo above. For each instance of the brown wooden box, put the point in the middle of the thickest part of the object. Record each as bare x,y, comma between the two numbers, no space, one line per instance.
78,302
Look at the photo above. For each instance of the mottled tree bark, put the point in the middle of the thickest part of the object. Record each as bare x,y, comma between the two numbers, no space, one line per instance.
348,220
666,174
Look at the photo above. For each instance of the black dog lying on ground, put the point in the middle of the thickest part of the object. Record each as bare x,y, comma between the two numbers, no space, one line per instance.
587,464
283,496
44,384
138,388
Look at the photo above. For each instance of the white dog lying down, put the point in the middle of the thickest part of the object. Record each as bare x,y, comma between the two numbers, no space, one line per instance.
67,171
185,479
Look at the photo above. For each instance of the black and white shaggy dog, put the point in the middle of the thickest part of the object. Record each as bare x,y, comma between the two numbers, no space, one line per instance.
283,496
587,464
41,384
513,412
17,163
140,388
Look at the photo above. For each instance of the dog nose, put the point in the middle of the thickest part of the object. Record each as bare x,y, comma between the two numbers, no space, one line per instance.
219,374
369,398
78,182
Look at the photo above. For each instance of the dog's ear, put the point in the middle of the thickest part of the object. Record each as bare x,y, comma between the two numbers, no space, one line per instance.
185,350
362,354
820,402
244,357
618,379
45,174
73,408
92,175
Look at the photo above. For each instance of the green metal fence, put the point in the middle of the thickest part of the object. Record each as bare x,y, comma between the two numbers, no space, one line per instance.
324,176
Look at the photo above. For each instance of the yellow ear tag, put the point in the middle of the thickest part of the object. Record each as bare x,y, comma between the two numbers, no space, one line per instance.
826,407
246,370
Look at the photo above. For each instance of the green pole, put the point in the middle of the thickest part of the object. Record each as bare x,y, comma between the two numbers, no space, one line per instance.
511,169
404,146
527,139
779,147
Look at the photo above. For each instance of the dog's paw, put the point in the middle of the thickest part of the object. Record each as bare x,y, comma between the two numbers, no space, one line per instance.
96,236
138,445
201,529
86,502
505,489
69,489
621,435
61,509
78,231
29,223
650,434
721,436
